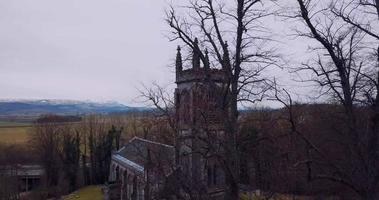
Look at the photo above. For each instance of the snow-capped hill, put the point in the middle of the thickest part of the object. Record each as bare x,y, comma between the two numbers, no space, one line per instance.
61,107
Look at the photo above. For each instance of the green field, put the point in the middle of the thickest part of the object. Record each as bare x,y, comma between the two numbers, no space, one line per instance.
87,193
15,134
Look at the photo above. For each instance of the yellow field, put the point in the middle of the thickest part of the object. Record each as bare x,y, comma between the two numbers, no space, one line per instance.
87,193
255,196
14,135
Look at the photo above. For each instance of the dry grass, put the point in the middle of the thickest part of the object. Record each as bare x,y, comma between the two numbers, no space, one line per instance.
14,135
92,192
256,196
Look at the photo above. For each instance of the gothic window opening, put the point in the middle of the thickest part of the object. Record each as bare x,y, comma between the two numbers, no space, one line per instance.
135,189
125,183
215,175
209,176
117,173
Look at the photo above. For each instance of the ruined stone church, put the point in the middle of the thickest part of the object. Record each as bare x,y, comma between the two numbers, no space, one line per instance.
145,169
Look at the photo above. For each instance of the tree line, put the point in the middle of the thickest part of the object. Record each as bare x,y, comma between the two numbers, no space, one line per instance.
74,151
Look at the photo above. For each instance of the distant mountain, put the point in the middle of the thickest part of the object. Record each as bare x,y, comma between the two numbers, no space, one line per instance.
61,107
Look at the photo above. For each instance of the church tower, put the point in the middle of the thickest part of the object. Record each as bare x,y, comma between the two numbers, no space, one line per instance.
198,102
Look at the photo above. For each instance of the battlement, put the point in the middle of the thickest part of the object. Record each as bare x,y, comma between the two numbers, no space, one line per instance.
198,73
201,74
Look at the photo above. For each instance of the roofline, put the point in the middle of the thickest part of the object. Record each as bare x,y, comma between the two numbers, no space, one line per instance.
149,141
122,148
128,163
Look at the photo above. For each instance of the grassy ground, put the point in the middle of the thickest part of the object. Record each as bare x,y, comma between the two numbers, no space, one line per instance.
13,124
14,135
87,193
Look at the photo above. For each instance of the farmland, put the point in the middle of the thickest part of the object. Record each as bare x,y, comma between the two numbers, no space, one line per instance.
14,133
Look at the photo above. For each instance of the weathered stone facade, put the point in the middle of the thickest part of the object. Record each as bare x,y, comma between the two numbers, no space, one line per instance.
139,168
199,100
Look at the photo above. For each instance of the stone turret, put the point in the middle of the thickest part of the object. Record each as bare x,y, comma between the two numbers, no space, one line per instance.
206,61
199,111
179,62
226,58
196,56
198,72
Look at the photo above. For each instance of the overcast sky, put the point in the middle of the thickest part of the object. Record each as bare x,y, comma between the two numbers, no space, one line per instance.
83,49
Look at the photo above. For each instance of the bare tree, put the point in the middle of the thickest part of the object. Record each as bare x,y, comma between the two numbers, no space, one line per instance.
344,69
46,141
102,139
58,146
10,157
70,156
230,32
164,103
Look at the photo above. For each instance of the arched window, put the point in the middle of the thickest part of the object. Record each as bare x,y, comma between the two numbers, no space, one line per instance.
113,172
184,107
117,173
135,189
215,175
125,184
209,176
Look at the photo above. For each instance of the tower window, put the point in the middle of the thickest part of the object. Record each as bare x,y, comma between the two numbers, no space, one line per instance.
209,176
215,175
